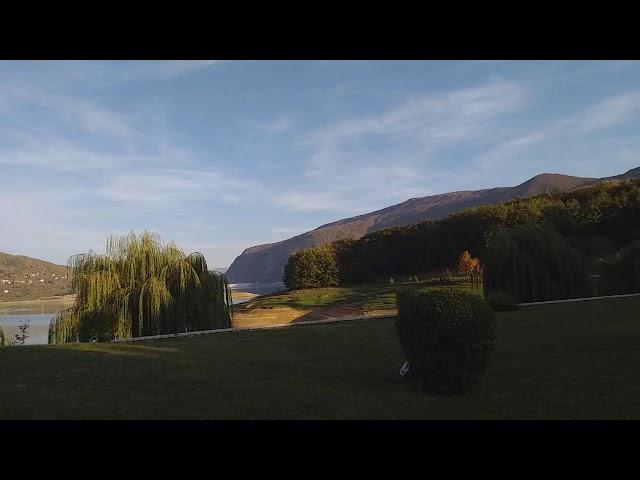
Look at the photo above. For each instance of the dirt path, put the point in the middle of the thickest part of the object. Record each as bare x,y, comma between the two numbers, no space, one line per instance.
276,316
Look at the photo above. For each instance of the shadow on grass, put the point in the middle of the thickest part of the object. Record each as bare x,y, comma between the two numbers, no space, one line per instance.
120,349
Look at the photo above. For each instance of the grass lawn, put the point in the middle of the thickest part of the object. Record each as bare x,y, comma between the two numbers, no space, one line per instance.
573,360
369,297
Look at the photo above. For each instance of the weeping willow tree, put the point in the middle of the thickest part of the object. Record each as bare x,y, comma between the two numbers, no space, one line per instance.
141,286
621,274
533,264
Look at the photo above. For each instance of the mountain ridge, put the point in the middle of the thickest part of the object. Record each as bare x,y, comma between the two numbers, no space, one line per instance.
265,262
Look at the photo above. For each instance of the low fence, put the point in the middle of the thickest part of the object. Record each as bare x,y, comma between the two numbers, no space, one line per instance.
584,299
353,318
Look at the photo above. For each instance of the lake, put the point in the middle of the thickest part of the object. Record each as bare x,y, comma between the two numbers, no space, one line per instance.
39,312
258,288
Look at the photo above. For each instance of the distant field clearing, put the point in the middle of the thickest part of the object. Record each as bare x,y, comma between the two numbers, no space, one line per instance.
260,317
236,295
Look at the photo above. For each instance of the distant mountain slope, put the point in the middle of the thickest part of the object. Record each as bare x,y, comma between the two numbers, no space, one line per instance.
27,278
265,263
633,173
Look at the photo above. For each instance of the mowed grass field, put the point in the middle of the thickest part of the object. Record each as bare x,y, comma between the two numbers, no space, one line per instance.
562,361
300,305
369,297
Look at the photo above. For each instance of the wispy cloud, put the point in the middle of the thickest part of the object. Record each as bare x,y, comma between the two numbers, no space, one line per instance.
608,113
279,124
162,70
76,113
77,169
368,162
453,116
176,187
362,190
63,155
302,201
602,115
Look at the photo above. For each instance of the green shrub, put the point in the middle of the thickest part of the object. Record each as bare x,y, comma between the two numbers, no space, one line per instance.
448,336
501,301
98,325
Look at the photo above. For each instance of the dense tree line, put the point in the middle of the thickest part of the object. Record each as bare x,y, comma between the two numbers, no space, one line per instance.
312,268
534,264
596,221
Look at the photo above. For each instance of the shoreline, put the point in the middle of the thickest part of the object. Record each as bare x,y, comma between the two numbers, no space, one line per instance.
37,301
243,295
235,294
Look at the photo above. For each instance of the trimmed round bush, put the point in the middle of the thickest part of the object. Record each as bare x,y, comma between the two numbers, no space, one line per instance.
448,336
501,301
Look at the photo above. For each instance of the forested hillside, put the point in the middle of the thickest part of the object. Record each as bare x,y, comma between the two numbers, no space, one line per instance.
597,221
265,263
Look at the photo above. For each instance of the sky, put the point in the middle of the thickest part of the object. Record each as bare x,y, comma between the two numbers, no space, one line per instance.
219,156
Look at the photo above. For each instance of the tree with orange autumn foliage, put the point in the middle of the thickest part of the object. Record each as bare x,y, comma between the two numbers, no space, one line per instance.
467,264
470,267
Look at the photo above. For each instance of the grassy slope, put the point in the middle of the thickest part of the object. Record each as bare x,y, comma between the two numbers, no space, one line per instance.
17,268
370,297
319,303
576,360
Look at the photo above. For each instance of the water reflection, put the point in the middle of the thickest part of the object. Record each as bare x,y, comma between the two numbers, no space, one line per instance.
38,327
258,288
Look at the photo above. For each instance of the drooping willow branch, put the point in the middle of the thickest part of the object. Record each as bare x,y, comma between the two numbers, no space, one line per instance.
139,287
533,264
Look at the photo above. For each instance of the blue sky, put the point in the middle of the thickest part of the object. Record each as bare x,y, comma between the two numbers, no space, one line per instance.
220,156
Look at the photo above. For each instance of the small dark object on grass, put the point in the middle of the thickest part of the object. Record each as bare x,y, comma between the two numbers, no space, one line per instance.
502,301
448,337
408,372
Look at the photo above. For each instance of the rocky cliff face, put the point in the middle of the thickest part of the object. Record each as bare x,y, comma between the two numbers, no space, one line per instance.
265,263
